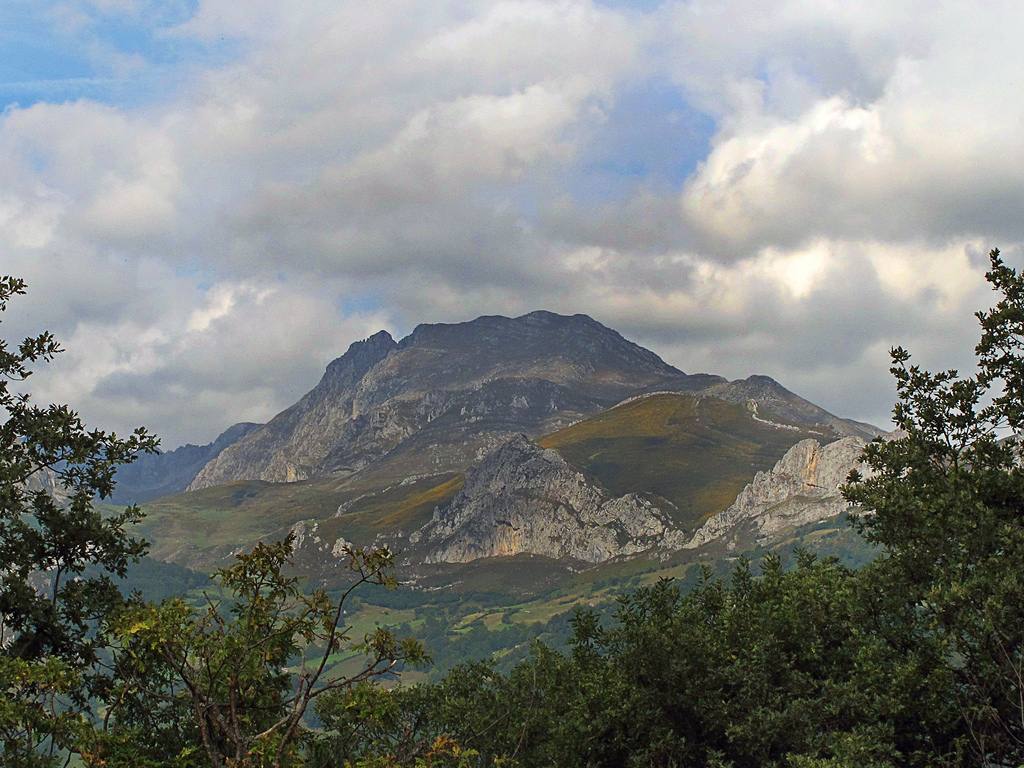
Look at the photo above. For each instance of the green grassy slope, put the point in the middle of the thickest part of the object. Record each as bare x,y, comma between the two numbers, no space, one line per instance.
199,529
697,453
400,508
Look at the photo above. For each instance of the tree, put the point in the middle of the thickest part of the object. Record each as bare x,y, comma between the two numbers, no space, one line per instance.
780,668
58,551
948,506
236,676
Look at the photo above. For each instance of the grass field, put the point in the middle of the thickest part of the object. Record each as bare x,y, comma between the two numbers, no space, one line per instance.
697,453
401,508
199,529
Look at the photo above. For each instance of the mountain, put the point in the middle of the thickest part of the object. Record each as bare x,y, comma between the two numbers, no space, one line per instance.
802,488
47,479
650,474
526,499
543,436
153,475
693,452
448,394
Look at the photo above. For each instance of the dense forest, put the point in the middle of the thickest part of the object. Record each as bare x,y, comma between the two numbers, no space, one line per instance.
916,659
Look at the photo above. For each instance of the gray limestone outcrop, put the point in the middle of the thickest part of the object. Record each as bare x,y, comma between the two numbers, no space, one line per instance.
293,443
48,480
802,488
526,499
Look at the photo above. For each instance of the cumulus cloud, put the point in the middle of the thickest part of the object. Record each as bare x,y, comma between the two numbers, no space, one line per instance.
205,250
915,134
232,352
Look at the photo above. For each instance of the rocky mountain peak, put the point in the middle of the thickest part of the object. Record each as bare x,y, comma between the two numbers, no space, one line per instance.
763,385
769,401
540,334
362,355
233,434
447,393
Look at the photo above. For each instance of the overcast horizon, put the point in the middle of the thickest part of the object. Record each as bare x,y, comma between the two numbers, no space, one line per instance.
211,200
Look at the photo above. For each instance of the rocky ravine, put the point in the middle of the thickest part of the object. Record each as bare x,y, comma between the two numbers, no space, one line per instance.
802,488
525,499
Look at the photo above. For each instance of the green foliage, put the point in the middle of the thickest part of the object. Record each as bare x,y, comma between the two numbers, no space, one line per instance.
236,676
769,670
947,499
58,552
154,580
34,723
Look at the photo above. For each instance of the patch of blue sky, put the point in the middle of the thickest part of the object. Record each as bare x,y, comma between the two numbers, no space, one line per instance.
360,304
115,57
651,136
194,270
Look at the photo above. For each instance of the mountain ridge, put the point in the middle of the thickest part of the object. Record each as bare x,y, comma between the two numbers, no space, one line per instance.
529,373
151,476
456,390
648,476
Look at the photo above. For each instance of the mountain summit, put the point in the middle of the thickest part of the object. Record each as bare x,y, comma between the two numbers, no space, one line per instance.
451,388
448,393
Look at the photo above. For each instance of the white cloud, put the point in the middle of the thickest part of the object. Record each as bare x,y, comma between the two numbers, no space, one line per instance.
931,149
197,253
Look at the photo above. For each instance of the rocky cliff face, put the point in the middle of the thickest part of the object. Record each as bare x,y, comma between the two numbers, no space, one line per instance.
47,480
153,475
802,488
525,499
291,445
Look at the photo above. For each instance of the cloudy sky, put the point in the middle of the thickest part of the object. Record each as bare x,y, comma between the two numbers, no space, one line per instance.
212,199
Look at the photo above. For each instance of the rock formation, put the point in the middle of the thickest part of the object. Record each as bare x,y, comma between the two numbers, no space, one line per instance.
525,499
291,444
46,479
802,488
